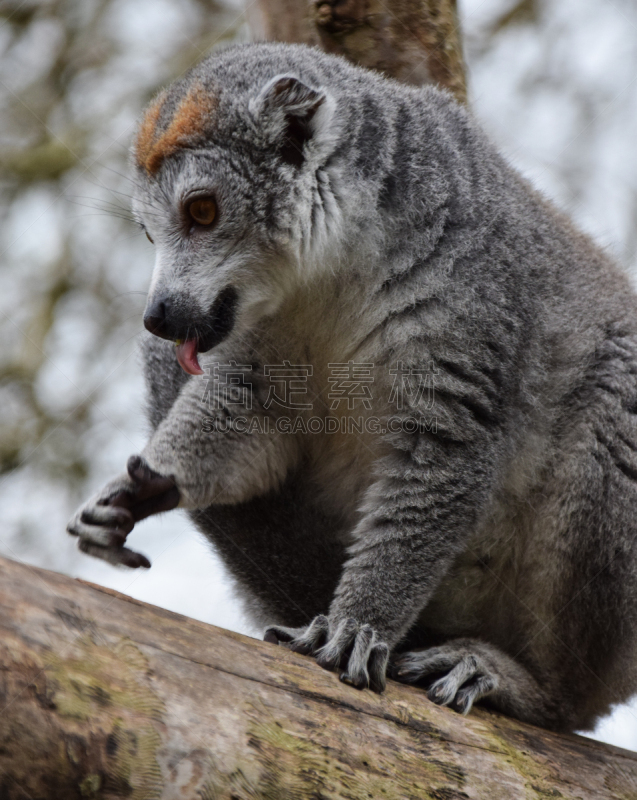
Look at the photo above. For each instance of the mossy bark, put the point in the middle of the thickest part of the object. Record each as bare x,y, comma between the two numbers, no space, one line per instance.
107,697
414,41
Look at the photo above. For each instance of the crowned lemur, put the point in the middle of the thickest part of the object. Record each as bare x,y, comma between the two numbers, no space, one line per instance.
469,521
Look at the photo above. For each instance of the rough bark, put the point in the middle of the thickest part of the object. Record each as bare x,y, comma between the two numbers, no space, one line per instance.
107,697
414,41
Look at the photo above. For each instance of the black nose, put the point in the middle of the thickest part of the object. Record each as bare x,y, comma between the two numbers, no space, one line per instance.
156,316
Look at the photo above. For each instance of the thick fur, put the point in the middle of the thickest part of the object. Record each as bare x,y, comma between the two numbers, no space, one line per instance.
493,555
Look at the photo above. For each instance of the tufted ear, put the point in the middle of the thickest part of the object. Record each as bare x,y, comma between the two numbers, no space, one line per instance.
288,106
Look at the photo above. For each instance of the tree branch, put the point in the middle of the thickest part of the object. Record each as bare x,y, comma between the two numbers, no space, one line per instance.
107,697
414,41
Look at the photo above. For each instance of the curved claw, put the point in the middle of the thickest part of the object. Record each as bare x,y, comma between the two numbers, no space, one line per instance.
301,640
109,517
378,660
118,556
357,674
333,652
278,634
367,663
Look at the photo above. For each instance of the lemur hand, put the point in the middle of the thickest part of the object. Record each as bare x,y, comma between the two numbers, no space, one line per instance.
104,521
354,648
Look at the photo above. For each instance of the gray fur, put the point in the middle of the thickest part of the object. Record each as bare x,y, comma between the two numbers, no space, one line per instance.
494,557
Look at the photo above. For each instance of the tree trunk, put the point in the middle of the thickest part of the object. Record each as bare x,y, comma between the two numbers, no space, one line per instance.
414,41
106,697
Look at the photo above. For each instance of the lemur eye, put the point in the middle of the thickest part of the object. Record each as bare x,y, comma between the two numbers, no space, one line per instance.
203,210
149,237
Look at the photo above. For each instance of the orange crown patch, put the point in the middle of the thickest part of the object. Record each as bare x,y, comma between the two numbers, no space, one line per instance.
190,119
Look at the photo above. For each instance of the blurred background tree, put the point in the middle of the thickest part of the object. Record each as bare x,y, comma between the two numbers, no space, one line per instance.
554,83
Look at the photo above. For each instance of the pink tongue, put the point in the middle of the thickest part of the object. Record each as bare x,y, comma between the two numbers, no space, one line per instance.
187,357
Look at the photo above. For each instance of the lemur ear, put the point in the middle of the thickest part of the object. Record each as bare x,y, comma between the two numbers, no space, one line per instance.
289,105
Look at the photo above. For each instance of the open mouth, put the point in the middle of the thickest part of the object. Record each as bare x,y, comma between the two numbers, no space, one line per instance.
219,324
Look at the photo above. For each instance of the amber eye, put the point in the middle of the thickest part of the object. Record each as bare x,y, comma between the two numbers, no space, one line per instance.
203,211
149,237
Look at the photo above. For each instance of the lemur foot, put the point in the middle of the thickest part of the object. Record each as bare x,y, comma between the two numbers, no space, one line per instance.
355,649
457,674
104,521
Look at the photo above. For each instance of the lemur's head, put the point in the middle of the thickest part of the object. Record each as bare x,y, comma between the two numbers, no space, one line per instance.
229,189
